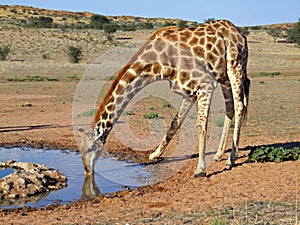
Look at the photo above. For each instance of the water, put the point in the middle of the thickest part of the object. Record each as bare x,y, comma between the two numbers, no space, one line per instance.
110,176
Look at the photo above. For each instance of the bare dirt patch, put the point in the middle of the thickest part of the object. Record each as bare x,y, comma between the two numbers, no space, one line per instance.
237,195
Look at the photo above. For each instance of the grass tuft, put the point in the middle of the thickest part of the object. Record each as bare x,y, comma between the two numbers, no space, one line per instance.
152,115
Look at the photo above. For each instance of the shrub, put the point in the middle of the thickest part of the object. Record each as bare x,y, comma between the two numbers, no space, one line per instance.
128,27
209,20
146,25
110,28
273,154
294,33
244,30
4,51
41,22
75,54
182,24
97,21
256,27
275,32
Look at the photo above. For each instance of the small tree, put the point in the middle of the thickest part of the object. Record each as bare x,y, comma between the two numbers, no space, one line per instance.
294,33
75,54
109,29
275,32
244,30
4,51
209,20
182,24
97,21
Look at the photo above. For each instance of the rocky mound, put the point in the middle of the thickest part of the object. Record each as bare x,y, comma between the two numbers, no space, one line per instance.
29,179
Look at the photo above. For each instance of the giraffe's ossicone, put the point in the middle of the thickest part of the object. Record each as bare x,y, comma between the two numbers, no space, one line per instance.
194,61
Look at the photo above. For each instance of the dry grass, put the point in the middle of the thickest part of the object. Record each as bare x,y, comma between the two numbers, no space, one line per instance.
265,55
257,213
29,45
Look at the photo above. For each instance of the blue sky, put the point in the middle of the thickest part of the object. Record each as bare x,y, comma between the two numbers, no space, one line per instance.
250,12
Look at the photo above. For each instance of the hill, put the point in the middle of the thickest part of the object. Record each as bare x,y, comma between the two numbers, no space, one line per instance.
26,16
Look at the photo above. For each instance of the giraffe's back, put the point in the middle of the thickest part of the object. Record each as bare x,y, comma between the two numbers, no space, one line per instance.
204,46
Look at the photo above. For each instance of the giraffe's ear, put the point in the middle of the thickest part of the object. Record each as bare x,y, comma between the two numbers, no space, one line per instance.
82,134
85,142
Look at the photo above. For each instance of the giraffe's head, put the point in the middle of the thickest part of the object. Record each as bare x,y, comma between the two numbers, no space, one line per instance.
90,149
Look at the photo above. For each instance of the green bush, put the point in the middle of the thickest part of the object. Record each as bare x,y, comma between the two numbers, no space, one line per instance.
41,22
110,28
75,54
97,21
294,33
275,32
244,30
273,154
182,24
4,51
208,20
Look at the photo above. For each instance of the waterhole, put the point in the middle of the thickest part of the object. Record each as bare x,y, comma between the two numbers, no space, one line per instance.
110,176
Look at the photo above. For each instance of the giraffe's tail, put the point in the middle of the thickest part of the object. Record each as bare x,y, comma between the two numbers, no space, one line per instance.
246,85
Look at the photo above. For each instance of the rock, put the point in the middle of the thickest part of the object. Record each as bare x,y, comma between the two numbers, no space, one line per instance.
29,179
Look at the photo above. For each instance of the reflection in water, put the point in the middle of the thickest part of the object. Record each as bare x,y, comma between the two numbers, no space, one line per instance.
23,201
109,177
90,189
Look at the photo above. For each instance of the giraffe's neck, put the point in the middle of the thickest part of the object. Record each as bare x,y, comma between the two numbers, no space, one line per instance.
127,83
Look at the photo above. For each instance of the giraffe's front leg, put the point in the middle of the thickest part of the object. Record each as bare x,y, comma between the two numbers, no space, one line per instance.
203,112
201,168
175,125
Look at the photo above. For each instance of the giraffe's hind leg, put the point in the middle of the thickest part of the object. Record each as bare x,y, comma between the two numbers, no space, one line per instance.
175,125
239,111
227,93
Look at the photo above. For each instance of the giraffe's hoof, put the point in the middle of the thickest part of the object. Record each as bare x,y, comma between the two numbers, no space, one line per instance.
152,156
230,164
200,174
217,158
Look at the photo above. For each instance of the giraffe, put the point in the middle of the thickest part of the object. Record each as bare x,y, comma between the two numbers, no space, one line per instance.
194,61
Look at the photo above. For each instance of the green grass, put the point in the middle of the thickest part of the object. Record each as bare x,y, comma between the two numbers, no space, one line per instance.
110,78
73,77
92,112
152,115
264,74
32,78
273,154
127,113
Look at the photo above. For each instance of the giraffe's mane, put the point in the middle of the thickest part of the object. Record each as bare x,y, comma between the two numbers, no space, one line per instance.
120,75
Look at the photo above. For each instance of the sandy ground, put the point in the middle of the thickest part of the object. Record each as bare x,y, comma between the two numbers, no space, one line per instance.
273,120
